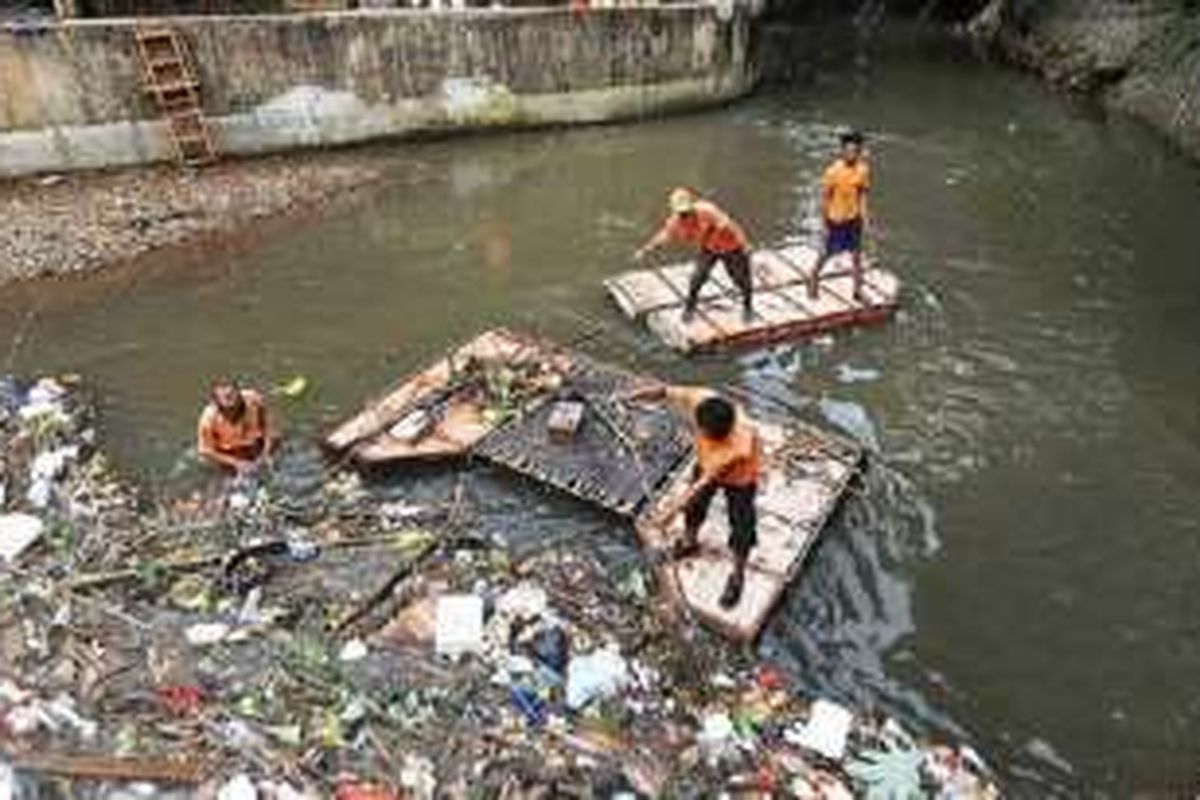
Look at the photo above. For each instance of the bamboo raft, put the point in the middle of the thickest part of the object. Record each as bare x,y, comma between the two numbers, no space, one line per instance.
781,302
807,472
627,458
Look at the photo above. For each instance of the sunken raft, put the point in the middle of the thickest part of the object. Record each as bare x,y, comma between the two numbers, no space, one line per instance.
781,301
497,398
551,415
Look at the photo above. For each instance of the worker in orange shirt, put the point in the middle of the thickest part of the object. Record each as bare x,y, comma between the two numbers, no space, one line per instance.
844,188
234,432
719,238
728,458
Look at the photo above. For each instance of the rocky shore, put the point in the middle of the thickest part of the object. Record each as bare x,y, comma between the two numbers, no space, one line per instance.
64,224
1140,57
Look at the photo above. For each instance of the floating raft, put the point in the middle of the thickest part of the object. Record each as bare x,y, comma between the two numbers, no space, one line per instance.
806,473
784,310
458,416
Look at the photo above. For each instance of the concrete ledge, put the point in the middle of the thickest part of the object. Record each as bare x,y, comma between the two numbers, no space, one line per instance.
282,82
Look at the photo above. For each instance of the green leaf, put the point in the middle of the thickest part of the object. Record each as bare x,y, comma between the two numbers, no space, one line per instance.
297,386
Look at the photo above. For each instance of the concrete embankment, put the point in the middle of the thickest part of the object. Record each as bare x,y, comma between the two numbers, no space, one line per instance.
71,96
1141,56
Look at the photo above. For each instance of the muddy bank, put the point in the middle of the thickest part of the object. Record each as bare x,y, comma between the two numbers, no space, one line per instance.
67,224
1141,57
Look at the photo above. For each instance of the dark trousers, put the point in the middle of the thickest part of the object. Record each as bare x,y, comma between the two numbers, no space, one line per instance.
743,518
737,267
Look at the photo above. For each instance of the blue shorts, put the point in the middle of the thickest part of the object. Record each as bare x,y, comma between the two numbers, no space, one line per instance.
843,237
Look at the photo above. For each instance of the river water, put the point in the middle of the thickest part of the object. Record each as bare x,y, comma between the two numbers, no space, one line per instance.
1018,567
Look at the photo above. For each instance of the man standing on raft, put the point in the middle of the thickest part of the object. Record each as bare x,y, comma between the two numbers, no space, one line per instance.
728,459
844,188
718,236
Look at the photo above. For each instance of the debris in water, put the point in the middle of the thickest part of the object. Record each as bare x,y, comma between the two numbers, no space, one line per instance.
118,632
459,624
293,388
825,732
17,532
848,374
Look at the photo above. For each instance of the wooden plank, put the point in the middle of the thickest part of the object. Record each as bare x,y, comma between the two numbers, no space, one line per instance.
183,770
461,426
641,291
776,309
789,265
679,289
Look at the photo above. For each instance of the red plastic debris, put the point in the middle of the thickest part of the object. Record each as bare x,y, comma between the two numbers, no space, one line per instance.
353,790
181,700
766,779
770,678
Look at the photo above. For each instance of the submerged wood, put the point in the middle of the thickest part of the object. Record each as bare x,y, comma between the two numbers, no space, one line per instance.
113,768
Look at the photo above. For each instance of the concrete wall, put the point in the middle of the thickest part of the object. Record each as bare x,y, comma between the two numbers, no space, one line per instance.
70,95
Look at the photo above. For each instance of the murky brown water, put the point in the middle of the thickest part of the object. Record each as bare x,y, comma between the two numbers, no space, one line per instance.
1019,567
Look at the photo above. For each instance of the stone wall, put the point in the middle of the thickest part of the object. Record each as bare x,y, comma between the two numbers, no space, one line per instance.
70,94
1139,56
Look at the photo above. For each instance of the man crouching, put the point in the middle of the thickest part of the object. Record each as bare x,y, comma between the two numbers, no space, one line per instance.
234,432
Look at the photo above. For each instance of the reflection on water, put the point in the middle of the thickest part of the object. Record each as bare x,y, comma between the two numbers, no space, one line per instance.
1018,563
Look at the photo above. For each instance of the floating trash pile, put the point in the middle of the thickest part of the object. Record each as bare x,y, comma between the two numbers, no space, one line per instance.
317,639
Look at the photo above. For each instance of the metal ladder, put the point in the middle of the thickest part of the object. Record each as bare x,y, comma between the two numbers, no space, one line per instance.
170,80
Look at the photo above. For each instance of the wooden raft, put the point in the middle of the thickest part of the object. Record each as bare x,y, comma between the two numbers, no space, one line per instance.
806,474
784,310
461,420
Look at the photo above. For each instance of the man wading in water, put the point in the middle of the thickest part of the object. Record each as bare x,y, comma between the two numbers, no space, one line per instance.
844,188
233,432
719,237
729,457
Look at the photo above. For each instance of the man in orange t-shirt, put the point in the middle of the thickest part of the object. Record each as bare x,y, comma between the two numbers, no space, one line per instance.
234,432
719,238
844,188
729,458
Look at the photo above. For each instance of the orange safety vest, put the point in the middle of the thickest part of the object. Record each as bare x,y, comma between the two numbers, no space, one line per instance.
741,450
709,228
227,436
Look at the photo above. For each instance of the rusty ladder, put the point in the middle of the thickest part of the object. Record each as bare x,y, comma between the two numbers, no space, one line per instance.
169,78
